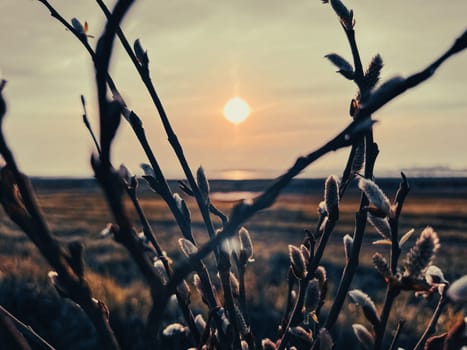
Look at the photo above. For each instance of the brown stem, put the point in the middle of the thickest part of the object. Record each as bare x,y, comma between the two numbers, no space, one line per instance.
295,313
430,329
32,221
392,291
350,268
391,294
243,211
401,194
135,123
224,273
376,101
7,321
395,339
321,246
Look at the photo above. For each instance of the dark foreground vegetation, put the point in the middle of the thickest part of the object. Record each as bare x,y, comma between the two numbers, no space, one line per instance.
359,267
76,210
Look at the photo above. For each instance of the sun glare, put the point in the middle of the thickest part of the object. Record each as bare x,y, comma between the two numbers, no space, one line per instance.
236,110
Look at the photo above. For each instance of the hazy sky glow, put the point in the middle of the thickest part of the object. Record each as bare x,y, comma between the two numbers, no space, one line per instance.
202,53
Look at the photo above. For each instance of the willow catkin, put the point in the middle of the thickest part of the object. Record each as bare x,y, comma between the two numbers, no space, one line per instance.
422,253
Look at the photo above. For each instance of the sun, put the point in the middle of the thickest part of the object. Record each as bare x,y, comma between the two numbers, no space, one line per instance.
236,110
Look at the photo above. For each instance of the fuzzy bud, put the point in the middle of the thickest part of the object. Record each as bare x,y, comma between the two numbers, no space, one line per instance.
371,77
345,16
381,225
367,305
381,265
363,335
125,175
422,253
344,67
348,242
325,340
140,53
174,329
187,247
375,195
181,206
203,183
358,161
161,271
246,244
76,24
383,93
457,291
406,237
297,262
434,275
148,170
268,344
331,197
306,253
312,295
301,333
321,275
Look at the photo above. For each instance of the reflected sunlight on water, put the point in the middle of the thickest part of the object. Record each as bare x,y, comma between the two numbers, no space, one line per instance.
242,174
233,196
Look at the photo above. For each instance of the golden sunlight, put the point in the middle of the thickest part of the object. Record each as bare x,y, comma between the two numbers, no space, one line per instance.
236,110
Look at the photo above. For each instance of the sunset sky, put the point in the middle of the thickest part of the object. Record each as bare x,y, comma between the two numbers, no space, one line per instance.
202,53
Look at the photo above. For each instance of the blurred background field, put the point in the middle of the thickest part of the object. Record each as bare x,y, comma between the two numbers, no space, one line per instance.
75,210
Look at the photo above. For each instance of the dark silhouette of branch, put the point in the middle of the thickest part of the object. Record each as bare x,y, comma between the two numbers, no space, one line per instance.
392,290
9,333
143,71
395,339
243,211
442,302
398,85
25,332
88,125
137,126
25,212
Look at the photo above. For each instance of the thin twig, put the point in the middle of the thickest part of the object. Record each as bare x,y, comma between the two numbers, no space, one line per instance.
392,290
88,125
387,93
391,294
430,329
26,330
395,339
135,123
11,334
27,214
172,137
243,211
295,312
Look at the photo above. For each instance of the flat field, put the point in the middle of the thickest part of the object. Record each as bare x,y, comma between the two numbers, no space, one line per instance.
75,210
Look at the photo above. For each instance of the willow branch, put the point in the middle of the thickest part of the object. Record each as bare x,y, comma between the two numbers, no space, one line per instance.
135,123
395,87
26,330
172,137
243,211
26,213
442,302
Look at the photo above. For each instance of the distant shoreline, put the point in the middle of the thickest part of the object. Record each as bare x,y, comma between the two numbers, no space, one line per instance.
455,185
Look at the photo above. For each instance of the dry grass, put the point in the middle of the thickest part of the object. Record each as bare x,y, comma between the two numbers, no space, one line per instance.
77,214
